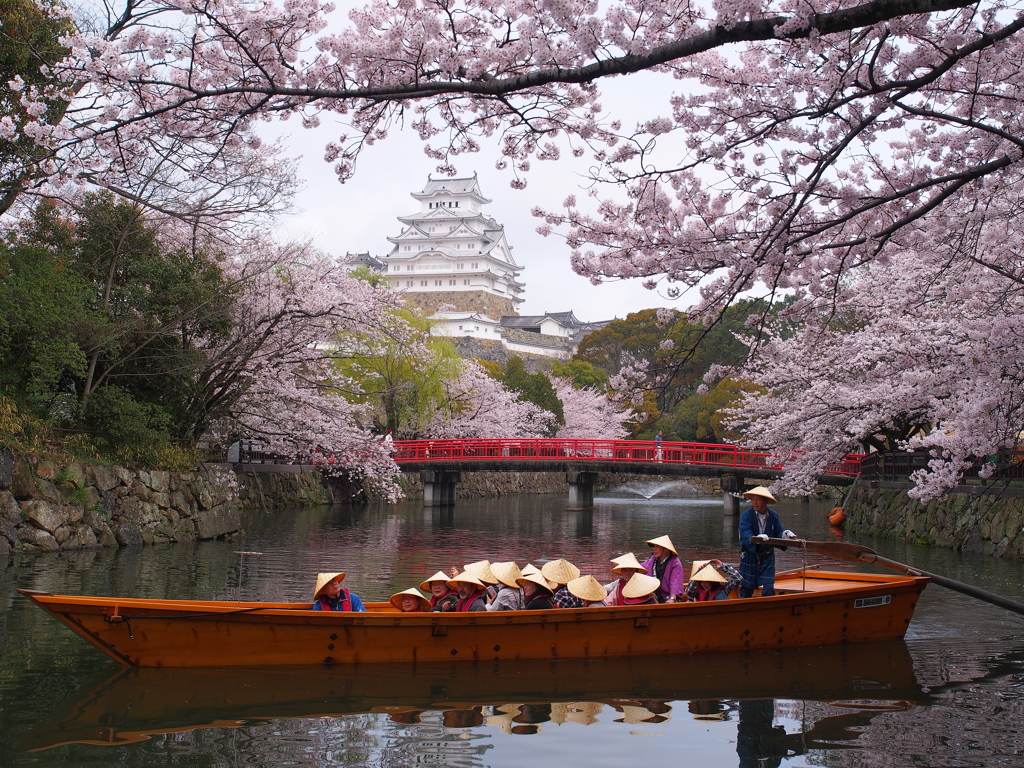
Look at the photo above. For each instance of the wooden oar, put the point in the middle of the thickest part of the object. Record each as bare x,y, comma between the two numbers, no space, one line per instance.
857,553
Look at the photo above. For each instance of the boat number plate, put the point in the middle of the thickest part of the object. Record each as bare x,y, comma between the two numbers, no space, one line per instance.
871,602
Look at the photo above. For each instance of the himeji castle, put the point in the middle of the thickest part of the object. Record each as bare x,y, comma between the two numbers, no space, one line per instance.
452,261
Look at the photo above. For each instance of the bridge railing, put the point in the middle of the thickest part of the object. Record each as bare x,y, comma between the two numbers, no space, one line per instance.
898,466
622,451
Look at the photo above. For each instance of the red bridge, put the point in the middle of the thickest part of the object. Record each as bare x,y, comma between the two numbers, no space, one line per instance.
635,456
440,461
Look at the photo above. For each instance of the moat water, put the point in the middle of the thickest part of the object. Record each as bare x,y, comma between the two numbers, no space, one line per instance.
951,694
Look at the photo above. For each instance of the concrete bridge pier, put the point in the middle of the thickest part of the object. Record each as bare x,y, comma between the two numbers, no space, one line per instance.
439,487
581,489
730,484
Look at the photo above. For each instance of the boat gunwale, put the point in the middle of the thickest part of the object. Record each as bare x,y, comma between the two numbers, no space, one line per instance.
384,615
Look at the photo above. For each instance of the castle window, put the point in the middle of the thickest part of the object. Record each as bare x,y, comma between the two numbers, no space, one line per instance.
395,268
437,282
408,267
460,265
409,283
476,265
406,247
423,283
451,282
465,282
458,245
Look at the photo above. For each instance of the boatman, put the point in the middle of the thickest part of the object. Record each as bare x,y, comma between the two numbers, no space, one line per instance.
757,558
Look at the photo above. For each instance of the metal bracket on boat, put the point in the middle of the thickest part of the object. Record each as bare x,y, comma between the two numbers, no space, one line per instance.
116,618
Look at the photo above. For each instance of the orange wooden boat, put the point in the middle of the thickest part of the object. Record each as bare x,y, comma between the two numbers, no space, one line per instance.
812,608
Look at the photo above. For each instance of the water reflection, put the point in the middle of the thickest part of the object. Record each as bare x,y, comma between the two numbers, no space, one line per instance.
122,706
950,695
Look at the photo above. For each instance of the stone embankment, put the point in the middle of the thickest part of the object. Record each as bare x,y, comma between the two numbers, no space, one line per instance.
989,523
46,507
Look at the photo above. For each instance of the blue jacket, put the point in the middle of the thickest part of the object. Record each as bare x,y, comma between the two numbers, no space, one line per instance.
335,605
749,527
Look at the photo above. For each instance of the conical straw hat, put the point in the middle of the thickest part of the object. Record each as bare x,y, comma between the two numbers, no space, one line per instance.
439,576
640,585
538,579
663,541
482,570
634,715
627,561
760,491
587,588
530,568
703,570
467,578
323,579
697,565
396,599
507,573
560,571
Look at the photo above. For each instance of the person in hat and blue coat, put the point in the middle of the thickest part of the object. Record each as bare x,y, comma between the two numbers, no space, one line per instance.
757,556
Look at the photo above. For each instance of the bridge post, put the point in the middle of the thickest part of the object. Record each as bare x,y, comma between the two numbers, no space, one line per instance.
730,484
581,489
439,487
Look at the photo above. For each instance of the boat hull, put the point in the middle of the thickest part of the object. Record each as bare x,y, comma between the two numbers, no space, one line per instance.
823,609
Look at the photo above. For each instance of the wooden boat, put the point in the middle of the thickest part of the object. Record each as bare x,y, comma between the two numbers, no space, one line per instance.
121,706
814,608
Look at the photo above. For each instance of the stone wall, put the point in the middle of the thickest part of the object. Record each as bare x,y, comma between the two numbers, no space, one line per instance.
261,490
46,507
989,523
495,307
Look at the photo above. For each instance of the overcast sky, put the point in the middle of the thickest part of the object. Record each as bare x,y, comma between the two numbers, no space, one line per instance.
360,215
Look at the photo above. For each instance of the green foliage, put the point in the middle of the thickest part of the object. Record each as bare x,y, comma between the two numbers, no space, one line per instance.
581,373
700,418
404,379
103,331
535,388
671,402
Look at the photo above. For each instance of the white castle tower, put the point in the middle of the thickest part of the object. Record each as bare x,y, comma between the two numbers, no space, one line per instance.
451,253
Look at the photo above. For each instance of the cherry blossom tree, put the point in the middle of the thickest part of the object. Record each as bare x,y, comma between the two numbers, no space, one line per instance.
274,377
589,413
811,148
477,405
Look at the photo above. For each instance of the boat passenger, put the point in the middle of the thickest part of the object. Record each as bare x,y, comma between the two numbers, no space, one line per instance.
537,591
482,570
442,597
641,589
472,593
584,592
329,596
666,567
510,596
561,572
757,559
410,601
623,566
707,582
